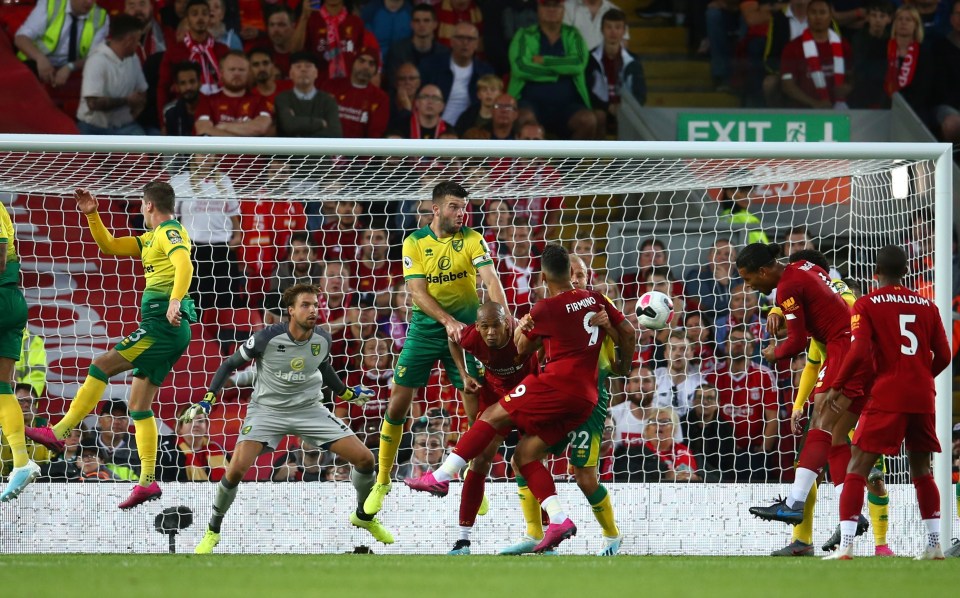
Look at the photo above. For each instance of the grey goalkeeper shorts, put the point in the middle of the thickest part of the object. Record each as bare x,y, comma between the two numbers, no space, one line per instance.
312,422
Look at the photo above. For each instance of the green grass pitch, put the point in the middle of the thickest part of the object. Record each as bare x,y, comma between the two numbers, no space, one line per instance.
186,576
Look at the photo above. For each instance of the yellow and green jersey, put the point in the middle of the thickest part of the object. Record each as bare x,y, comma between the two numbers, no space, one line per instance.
7,235
156,246
449,265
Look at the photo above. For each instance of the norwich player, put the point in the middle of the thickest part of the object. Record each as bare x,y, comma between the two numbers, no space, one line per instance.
293,363
158,342
13,321
584,445
801,543
441,262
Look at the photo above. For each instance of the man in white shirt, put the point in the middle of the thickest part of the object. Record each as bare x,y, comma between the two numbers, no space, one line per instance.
456,75
586,16
114,89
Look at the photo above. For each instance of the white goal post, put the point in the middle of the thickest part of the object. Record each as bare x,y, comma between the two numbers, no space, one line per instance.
863,195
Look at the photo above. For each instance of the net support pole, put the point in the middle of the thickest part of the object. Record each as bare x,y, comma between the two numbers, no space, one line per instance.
943,285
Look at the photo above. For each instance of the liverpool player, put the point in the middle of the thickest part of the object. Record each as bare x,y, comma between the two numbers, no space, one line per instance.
490,341
812,307
546,407
903,334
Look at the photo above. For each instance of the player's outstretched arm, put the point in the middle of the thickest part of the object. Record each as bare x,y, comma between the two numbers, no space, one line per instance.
182,276
494,288
226,369
107,243
523,336
796,337
358,395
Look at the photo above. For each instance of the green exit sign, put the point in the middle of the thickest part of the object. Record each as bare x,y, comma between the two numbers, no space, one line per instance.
762,127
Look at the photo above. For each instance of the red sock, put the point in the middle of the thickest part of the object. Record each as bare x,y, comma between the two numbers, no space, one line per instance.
928,497
471,497
839,460
816,448
851,499
475,440
539,480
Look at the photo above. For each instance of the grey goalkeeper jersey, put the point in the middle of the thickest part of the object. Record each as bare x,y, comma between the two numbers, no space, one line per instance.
288,372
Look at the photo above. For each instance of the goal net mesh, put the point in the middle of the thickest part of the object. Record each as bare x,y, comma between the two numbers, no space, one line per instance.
260,222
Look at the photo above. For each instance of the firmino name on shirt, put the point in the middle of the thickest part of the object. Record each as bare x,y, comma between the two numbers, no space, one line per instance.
908,299
578,305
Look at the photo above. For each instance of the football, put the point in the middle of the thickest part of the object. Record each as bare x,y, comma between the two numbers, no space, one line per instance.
655,310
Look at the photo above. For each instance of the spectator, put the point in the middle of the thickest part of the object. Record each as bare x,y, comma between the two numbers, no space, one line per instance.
334,36
612,70
113,92
118,448
26,397
364,108
457,75
813,68
869,48
152,41
171,16
747,396
196,46
338,306
517,267
57,54
548,74
425,121
406,85
305,111
797,239
204,460
710,437
388,21
505,113
910,67
301,267
785,25
744,309
280,33
723,28
630,411
219,30
180,114
660,458
587,16
263,75
62,467
710,285
91,466
935,17
652,254
376,274
946,52
735,209
31,368
234,111
339,239
207,208
395,327
419,46
699,331
677,381
376,373
451,13
429,451
505,18
480,112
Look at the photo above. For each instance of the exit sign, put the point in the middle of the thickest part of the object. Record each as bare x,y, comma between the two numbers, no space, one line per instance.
762,127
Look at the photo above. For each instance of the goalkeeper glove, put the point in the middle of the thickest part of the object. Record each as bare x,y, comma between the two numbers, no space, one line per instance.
358,395
204,406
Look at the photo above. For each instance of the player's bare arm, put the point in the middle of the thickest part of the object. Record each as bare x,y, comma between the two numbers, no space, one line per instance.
470,384
425,301
492,283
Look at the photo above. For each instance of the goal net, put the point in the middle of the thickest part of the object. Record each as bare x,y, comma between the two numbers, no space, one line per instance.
696,434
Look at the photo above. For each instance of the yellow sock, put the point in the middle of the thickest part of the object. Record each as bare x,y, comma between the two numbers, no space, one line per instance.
11,421
530,508
804,531
390,434
146,426
86,400
879,517
603,511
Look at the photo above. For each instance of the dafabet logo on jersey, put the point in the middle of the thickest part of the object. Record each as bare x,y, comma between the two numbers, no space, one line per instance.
790,304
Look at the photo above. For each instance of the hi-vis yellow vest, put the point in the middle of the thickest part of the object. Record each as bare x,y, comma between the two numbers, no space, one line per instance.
56,17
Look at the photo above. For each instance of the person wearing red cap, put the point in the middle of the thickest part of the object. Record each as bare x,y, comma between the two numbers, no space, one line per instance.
364,108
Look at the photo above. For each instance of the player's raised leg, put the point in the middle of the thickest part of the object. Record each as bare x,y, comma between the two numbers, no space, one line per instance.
362,477
244,456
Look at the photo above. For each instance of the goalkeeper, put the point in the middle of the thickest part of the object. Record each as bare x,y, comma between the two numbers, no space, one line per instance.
293,362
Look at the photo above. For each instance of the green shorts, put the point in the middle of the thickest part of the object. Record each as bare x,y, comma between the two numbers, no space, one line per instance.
154,347
584,442
420,354
13,319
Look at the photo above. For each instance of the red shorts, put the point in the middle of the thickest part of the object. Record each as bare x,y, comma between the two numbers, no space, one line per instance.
856,386
882,432
540,410
487,398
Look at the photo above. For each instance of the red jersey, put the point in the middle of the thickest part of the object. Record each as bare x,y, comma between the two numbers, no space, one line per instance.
793,64
743,397
903,334
177,53
267,226
221,108
379,279
812,307
211,460
364,111
269,101
571,344
504,368
516,283
678,459
334,244
350,33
